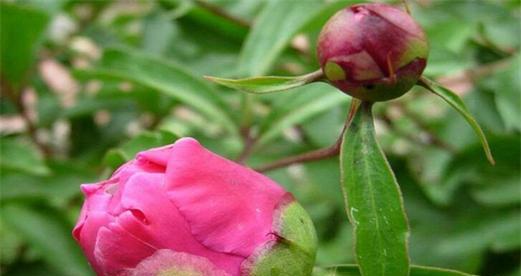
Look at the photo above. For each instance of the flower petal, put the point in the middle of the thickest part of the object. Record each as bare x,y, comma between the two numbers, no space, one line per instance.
229,207
153,218
118,250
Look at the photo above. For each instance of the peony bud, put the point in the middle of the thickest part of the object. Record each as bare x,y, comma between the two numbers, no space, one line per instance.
182,210
373,52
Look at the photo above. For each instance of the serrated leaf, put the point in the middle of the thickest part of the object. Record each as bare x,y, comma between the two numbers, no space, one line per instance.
452,99
21,28
47,233
373,200
267,84
299,105
22,157
165,77
416,270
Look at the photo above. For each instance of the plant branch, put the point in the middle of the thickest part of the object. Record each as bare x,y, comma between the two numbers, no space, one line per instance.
216,10
314,155
16,98
249,143
315,76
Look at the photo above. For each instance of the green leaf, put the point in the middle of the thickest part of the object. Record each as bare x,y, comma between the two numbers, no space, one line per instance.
323,129
466,167
49,235
373,200
267,84
144,141
298,106
416,270
20,156
165,77
278,22
57,188
33,269
11,243
506,86
506,192
499,231
452,34
21,29
159,30
458,104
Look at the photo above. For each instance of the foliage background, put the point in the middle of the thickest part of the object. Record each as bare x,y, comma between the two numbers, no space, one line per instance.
86,84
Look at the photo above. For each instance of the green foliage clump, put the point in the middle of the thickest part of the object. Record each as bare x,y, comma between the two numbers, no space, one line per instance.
87,84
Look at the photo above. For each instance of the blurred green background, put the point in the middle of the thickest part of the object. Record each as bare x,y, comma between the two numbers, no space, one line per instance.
87,84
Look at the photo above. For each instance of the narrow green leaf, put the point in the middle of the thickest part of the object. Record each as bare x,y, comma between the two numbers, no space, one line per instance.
416,270
458,104
274,28
267,84
165,77
11,242
298,106
278,22
57,189
21,28
22,157
276,25
505,86
498,231
47,233
373,200
504,192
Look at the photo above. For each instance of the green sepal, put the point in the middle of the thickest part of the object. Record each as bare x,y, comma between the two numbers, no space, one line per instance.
292,251
416,270
267,84
457,103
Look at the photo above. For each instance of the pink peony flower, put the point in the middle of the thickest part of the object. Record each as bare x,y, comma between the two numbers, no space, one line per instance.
182,209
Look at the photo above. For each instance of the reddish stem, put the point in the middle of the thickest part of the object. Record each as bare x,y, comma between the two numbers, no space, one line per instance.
314,155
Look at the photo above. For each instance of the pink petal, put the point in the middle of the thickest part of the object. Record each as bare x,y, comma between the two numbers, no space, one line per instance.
93,216
228,207
118,250
157,156
153,218
87,235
